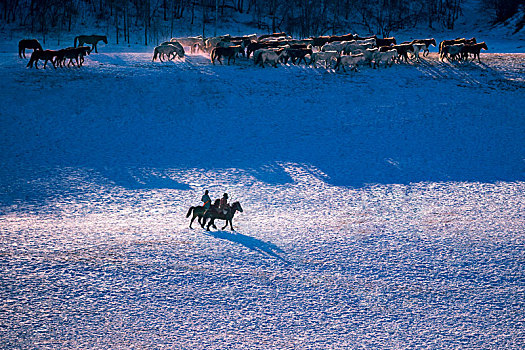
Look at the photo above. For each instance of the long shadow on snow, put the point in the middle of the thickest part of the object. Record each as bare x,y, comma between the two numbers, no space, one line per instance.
397,125
257,245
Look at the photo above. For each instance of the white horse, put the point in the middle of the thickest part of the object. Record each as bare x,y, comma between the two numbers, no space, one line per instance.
211,43
368,53
388,56
170,50
352,61
370,42
452,52
271,57
326,56
335,46
352,46
193,42
418,47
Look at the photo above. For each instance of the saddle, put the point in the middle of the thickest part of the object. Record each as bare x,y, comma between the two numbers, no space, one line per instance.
226,210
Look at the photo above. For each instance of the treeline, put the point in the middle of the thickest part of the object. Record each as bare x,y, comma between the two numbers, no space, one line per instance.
301,18
504,9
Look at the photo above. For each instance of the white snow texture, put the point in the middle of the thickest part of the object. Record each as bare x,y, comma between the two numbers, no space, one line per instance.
382,208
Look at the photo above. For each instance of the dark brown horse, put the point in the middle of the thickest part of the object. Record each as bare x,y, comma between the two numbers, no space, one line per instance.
385,41
345,37
474,50
198,212
28,44
46,55
90,39
403,50
72,53
319,41
214,214
229,52
454,42
296,55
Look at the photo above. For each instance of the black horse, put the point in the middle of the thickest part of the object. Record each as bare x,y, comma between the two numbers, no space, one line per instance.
72,53
229,52
198,212
90,39
47,55
28,44
213,214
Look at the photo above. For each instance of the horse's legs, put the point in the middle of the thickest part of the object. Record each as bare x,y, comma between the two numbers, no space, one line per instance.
202,221
95,46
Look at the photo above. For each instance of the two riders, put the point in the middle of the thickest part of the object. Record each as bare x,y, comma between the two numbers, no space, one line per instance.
221,206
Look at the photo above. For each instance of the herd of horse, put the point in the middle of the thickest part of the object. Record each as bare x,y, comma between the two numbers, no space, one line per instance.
58,58
339,51
335,51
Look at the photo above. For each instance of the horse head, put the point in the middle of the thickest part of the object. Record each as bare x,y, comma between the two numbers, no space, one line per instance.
237,206
105,39
433,42
484,46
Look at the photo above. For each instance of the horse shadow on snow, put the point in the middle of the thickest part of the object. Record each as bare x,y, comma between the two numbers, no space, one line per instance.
254,244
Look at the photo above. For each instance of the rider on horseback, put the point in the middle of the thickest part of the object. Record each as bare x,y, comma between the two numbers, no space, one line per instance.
206,199
224,207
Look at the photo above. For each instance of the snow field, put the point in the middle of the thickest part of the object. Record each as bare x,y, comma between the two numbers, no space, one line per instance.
383,209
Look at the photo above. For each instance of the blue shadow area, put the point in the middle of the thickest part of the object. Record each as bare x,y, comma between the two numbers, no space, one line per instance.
139,179
400,125
254,244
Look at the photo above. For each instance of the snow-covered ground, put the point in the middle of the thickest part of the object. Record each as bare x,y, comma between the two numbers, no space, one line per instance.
382,209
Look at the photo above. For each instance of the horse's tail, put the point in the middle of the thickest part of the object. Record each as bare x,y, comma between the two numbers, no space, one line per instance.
155,52
337,63
213,55
75,42
441,44
189,212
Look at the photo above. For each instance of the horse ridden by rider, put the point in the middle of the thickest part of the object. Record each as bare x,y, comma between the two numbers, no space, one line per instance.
198,211
226,213
220,209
